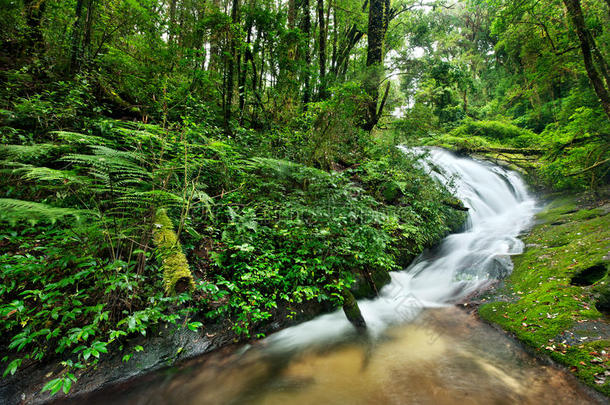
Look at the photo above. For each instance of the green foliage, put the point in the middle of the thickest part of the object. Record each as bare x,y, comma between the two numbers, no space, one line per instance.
293,233
252,148
573,155
277,233
335,134
58,299
19,210
495,130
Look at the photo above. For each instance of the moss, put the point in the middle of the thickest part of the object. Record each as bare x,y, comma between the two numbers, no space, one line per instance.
368,285
352,311
603,297
540,305
177,276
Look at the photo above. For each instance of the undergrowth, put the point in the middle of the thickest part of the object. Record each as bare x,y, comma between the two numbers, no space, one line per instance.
82,272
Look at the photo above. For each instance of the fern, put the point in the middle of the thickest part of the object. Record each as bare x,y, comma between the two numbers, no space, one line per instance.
80,139
45,174
146,199
28,153
13,211
114,169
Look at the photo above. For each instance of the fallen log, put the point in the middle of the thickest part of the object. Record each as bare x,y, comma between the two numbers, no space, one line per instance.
519,151
177,277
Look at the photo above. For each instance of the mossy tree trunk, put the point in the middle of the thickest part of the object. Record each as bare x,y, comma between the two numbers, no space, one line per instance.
352,311
177,276
590,51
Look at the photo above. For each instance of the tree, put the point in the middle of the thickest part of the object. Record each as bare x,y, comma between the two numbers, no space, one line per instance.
232,60
378,21
321,48
590,51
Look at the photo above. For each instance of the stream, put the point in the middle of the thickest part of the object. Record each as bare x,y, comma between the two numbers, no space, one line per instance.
420,347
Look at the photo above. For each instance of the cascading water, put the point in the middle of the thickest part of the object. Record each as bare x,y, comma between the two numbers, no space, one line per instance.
499,209
434,354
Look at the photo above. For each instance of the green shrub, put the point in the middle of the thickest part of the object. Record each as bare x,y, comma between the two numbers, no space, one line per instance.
495,130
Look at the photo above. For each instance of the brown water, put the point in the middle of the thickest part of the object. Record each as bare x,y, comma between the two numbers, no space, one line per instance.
444,357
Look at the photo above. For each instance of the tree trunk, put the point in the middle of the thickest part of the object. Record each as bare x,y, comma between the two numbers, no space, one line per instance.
322,48
231,67
588,48
172,21
76,35
374,59
33,18
306,27
292,12
333,62
244,72
177,276
88,24
215,52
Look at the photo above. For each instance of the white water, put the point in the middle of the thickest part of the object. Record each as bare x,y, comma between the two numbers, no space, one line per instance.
500,208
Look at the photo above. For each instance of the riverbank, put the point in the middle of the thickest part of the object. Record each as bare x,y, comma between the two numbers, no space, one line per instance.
555,300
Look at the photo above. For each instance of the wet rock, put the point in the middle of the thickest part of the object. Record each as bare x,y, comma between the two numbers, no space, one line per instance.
368,283
501,267
167,347
352,311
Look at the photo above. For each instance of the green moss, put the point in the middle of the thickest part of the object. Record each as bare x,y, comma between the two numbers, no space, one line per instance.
540,306
368,286
352,311
177,276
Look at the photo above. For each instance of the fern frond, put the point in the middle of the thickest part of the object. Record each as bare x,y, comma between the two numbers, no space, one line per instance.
35,173
13,211
80,139
150,198
105,163
27,153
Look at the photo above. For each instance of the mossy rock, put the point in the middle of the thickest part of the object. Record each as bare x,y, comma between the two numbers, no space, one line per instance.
602,302
352,311
559,286
367,285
